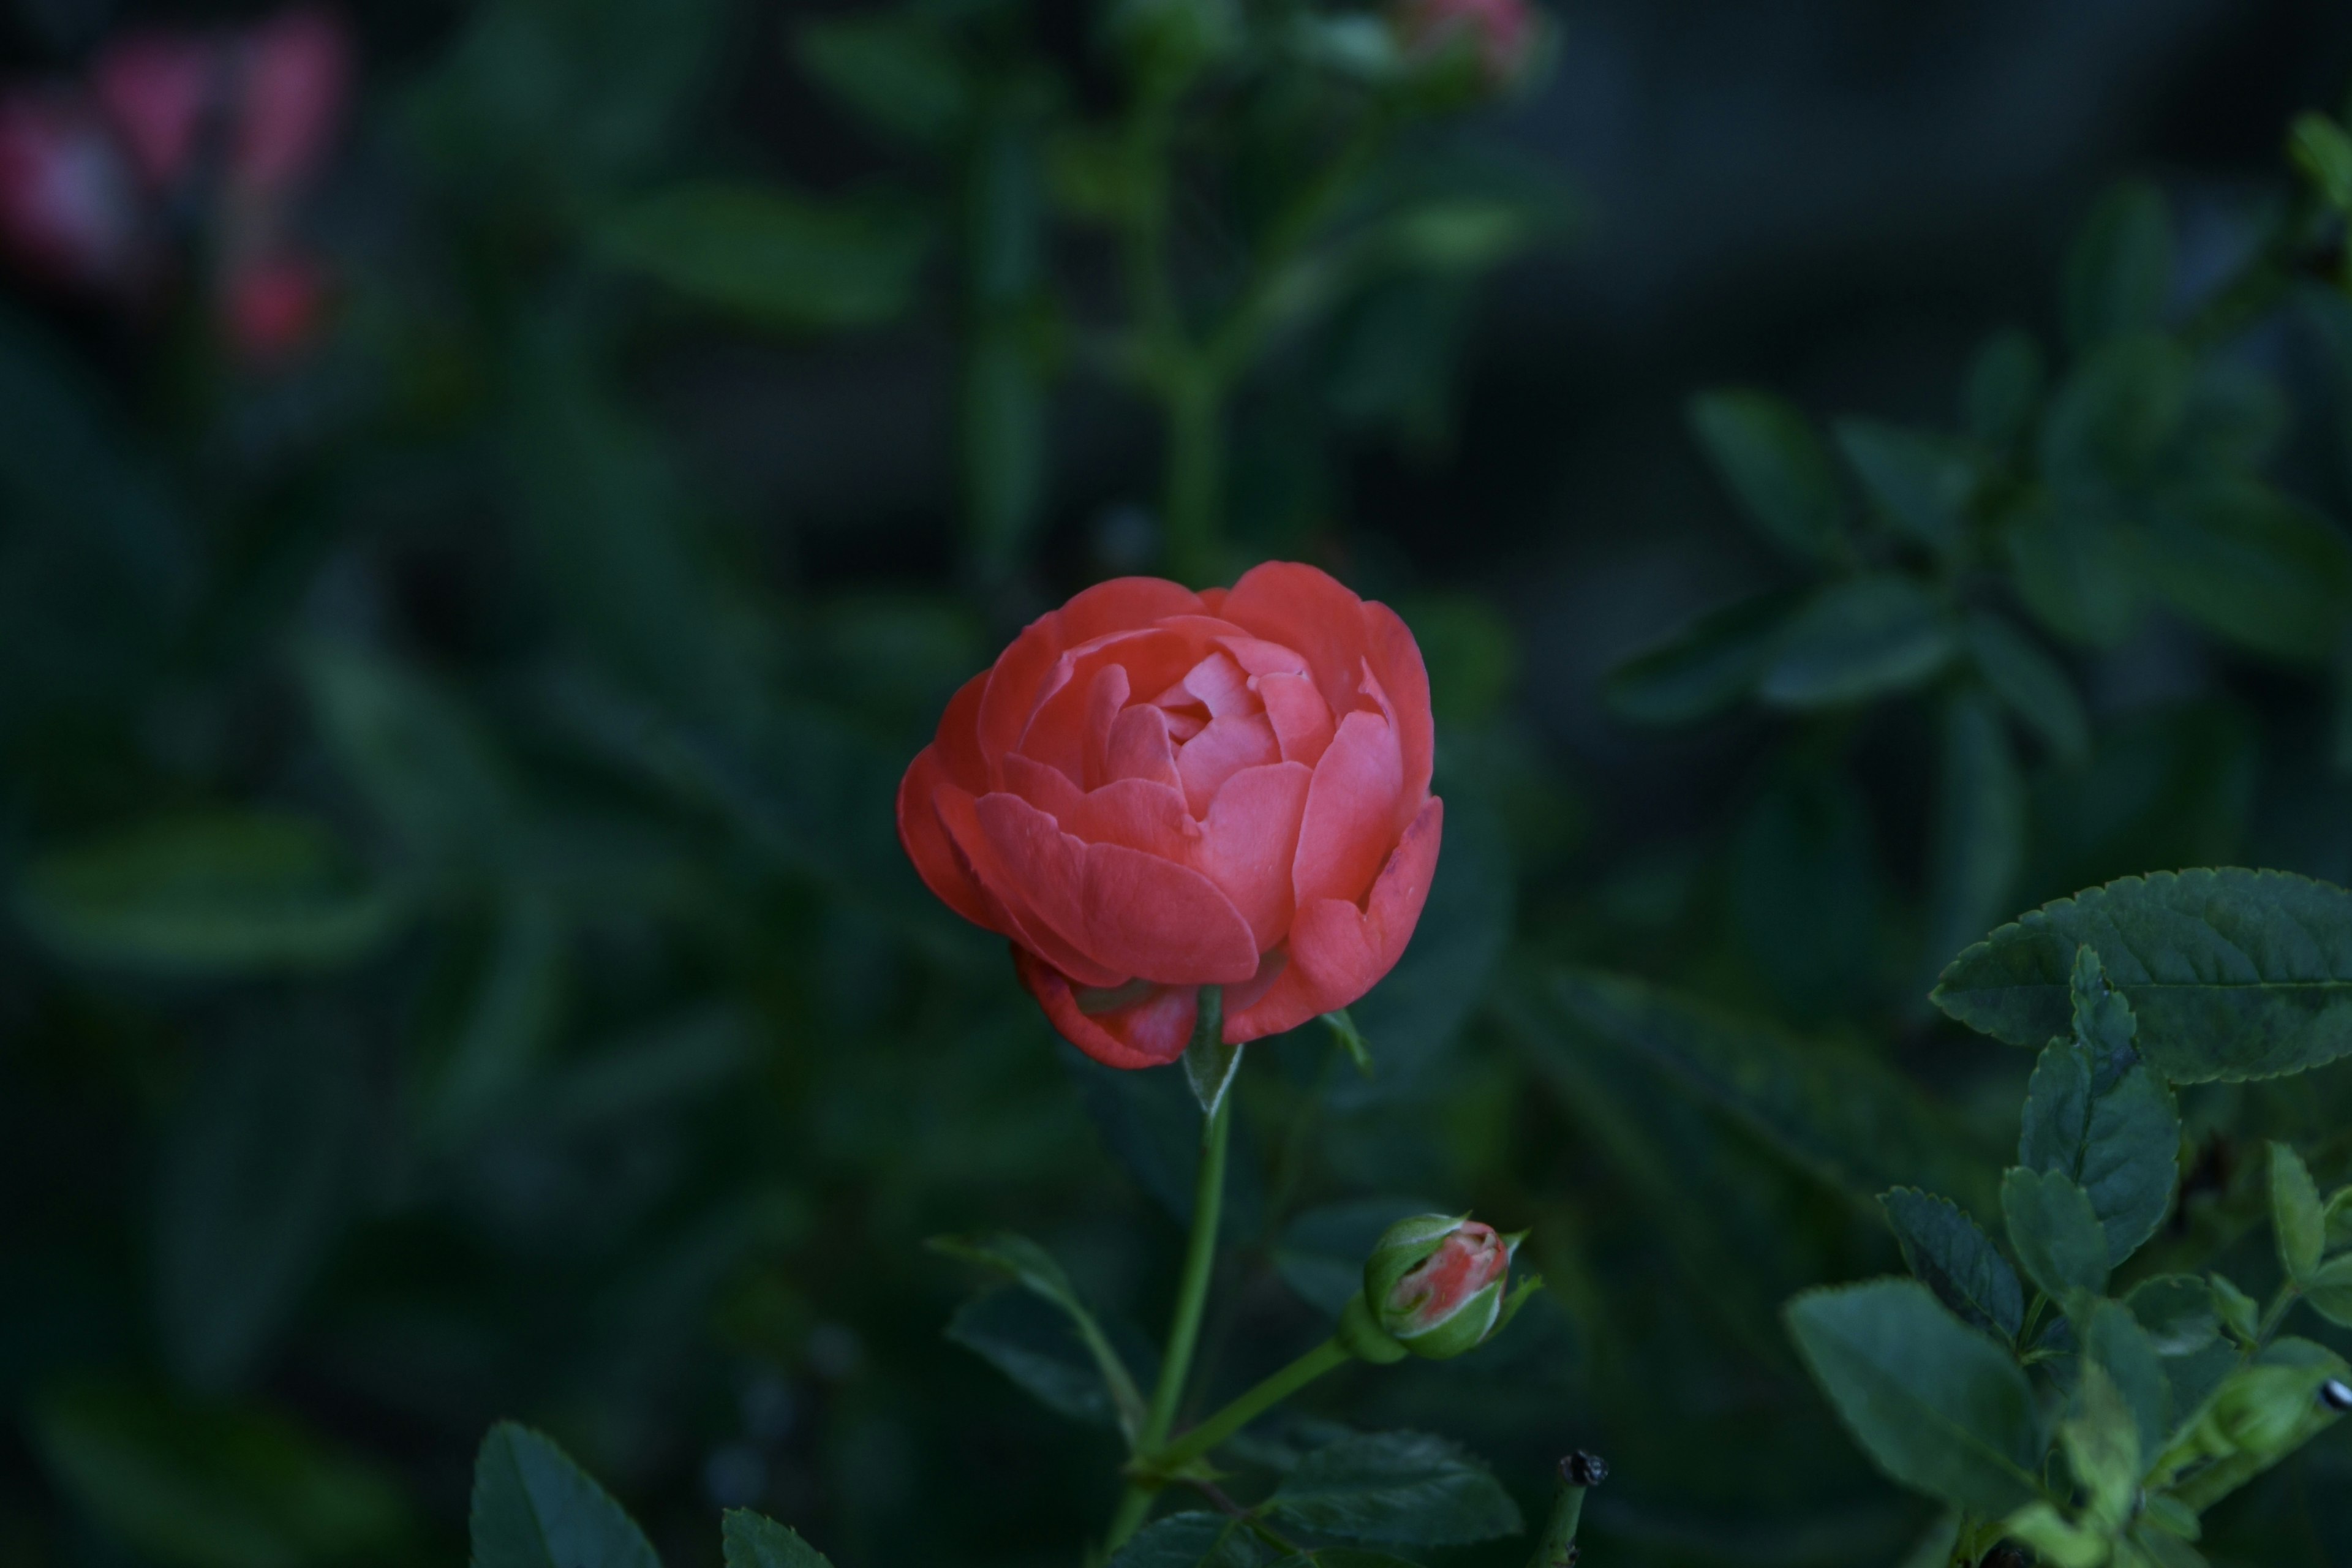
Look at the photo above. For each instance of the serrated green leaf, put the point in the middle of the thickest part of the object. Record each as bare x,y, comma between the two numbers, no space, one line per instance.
1948,1251
1194,1539
1767,454
775,258
533,1508
1036,1271
753,1542
226,893
2114,1342
2297,1214
1038,1347
2032,685
2094,1113
1920,482
1940,1407
1702,669
1395,1487
2232,974
1979,842
1856,640
2054,1232
2120,272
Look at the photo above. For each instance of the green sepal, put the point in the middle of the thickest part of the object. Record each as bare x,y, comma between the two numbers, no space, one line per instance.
1360,1335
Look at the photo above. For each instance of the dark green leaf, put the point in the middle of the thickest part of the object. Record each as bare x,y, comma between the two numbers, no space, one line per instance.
2232,974
1768,456
1939,1406
2297,1214
2054,1232
507,1026
1321,1253
1950,1254
778,259
2322,150
898,73
1857,640
2115,419
2035,687
415,754
1980,828
214,1486
1036,1271
1395,1487
1920,482
1707,666
1191,1541
226,893
2177,1310
2330,1292
2005,388
2113,1340
2255,566
533,1508
258,1176
1037,1347
2072,567
753,1542
2120,272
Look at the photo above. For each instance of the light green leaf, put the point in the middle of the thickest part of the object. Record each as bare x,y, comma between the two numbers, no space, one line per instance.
1939,1406
2054,1232
1195,1539
2120,272
753,1542
1395,1487
226,893
2330,1292
1767,454
1951,1254
780,259
1856,640
2232,974
1036,1271
2236,1309
1921,483
214,1486
898,73
1978,839
2297,1214
533,1508
1707,666
2034,685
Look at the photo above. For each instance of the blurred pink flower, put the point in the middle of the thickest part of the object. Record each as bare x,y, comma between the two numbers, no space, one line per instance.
291,88
69,206
158,89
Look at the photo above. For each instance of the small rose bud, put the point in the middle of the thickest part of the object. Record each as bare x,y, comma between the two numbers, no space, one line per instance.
1434,1284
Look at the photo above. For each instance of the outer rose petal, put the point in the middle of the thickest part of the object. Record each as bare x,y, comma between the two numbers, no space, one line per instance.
1313,614
958,742
1011,908
1128,911
1350,812
1396,663
1047,789
925,839
1018,680
1148,1033
1338,952
1248,841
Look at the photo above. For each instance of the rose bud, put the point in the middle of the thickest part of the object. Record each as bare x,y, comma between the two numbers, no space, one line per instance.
1155,790
1432,1287
1500,36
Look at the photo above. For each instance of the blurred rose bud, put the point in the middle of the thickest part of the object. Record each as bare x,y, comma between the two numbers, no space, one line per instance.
70,205
158,89
272,307
291,84
1434,1287
1500,36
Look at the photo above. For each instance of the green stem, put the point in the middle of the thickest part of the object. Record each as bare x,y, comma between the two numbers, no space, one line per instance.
1192,1294
1244,1409
1195,476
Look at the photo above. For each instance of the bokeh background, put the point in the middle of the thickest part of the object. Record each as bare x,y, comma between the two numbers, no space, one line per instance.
484,520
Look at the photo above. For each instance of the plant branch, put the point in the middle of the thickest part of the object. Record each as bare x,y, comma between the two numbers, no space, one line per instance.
1244,1409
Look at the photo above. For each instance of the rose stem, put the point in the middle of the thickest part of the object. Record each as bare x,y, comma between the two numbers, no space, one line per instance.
1247,1408
1192,1289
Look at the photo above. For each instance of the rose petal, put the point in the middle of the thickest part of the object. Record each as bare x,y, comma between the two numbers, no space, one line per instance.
1350,812
1312,613
1141,747
1220,685
1396,661
1140,814
1048,789
1010,889
1258,656
1063,729
927,844
958,742
1128,911
1148,1033
1015,683
1301,718
1343,951
1219,751
1249,840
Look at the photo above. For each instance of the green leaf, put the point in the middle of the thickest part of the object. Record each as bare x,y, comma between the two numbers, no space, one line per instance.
1978,839
226,893
1841,1116
2116,419
2177,1310
1767,454
1014,1331
2323,151
1395,1487
415,754
258,1176
898,73
2120,272
2072,567
2339,1220
777,259
214,1486
2115,1342
507,1026
2297,1214
1951,1254
2232,974
533,1508
1939,1407
2034,685
2054,1232
2103,1445
1921,483
1342,1025
2252,565
2236,1310
2330,1291
2003,388
753,1542
1036,1271
1702,669
1193,1539
1858,639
